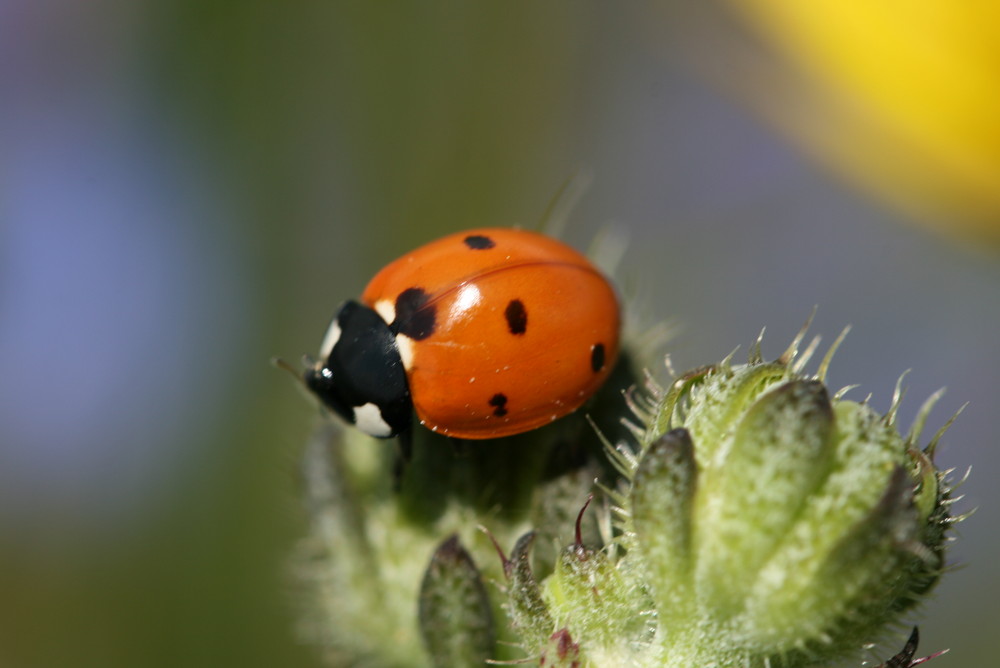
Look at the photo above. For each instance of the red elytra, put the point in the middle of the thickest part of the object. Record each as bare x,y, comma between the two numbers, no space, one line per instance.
500,330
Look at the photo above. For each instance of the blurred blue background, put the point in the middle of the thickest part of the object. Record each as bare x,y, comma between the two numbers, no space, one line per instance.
190,187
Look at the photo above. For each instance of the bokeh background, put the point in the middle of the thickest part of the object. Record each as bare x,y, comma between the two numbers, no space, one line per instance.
190,187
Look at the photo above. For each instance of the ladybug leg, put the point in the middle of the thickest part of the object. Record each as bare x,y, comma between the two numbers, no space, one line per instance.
404,455
460,447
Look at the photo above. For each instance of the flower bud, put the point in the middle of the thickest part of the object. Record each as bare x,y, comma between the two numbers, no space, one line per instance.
775,525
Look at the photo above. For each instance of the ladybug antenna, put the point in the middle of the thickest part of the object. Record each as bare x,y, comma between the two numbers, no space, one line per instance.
282,364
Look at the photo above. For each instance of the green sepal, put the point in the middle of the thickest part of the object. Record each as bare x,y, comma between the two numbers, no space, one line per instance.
527,611
758,480
456,622
662,503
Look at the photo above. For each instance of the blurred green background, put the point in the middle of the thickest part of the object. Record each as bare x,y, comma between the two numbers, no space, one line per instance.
188,188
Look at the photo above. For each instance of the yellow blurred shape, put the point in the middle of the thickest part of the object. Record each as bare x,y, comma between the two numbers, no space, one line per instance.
901,95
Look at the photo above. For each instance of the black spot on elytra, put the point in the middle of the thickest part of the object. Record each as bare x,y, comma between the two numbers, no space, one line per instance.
499,403
479,242
517,317
597,357
415,318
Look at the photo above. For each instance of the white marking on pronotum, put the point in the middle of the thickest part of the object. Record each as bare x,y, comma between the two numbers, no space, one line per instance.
405,346
329,340
369,420
386,309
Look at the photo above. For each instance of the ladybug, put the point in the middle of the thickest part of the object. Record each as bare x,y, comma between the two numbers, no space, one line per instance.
484,333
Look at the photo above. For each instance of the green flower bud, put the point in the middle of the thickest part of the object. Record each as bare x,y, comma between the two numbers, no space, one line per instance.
586,590
775,525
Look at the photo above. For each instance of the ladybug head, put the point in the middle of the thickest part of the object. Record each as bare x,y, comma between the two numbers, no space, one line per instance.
360,374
